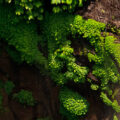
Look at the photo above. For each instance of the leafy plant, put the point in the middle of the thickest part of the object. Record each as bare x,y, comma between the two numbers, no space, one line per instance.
30,9
94,87
105,99
62,62
73,102
66,5
115,117
108,102
113,48
34,9
24,97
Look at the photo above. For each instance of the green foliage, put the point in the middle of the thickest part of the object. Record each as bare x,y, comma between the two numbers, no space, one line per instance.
115,106
79,73
108,102
58,62
107,72
24,40
34,9
89,30
73,102
9,87
66,114
24,97
115,93
112,47
105,99
66,5
30,9
115,117
104,67
62,62
94,87
61,59
57,32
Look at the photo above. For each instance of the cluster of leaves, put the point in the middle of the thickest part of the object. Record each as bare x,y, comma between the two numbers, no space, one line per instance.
94,87
108,102
30,9
24,97
8,86
115,117
107,73
113,48
73,102
105,50
62,63
66,5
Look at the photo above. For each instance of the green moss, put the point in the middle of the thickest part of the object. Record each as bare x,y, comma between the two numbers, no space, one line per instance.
73,102
25,38
94,87
112,47
24,97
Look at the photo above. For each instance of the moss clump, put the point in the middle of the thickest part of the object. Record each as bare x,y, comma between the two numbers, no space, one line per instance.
73,102
24,97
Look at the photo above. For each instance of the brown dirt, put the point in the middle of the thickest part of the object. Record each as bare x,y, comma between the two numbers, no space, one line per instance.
107,11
